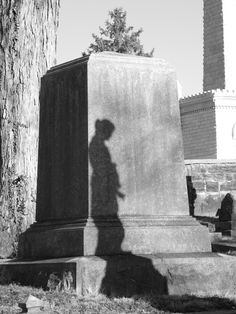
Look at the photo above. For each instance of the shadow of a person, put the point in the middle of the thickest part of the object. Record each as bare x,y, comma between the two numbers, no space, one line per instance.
127,274
105,179
105,187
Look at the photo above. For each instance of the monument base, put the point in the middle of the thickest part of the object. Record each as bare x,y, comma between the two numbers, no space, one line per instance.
202,274
126,235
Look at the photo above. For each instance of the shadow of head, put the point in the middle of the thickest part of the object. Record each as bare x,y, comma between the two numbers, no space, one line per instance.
104,129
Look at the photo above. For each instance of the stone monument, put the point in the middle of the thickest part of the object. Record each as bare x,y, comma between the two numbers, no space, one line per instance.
112,210
111,166
208,119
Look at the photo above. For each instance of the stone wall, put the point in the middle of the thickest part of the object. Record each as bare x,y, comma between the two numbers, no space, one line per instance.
208,183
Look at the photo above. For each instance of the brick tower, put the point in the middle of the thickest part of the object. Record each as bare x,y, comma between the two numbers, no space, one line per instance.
209,118
219,44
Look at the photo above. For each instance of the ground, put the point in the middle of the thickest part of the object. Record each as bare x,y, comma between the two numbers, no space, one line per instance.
69,303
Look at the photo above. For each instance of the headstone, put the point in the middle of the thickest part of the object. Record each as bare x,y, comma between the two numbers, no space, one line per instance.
111,167
32,305
226,209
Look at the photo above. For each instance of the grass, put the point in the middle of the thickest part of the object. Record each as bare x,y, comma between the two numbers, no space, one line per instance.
69,303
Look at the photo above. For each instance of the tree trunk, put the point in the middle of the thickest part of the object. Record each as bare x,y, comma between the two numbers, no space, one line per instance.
27,50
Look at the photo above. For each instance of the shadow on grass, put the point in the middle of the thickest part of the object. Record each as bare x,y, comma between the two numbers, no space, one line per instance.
62,302
187,303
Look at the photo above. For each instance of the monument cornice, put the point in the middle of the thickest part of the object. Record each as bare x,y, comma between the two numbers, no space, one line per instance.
107,56
68,65
126,220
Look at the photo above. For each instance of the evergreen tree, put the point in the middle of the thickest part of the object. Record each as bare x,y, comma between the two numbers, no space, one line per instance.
117,37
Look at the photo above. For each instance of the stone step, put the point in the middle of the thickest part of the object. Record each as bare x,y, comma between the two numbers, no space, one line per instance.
223,225
225,244
210,226
205,274
227,233
215,236
216,227
215,312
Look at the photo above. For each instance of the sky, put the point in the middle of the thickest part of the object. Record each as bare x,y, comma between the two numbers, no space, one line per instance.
174,28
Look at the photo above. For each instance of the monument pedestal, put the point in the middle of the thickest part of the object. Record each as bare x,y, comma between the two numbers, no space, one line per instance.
111,174
113,237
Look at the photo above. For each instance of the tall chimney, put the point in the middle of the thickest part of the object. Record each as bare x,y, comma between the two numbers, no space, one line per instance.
219,45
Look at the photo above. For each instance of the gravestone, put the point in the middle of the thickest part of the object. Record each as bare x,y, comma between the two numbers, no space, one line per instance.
111,169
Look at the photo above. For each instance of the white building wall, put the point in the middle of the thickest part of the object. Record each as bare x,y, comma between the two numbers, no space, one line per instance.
225,123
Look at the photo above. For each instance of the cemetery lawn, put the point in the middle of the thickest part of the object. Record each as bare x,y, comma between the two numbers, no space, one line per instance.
68,303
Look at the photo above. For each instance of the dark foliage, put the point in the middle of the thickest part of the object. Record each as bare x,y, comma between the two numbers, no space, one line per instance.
117,37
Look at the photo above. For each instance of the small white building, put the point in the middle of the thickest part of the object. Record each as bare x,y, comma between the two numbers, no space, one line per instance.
209,118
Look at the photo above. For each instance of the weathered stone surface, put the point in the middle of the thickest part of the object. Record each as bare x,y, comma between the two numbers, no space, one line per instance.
205,274
111,170
212,186
222,167
144,150
228,186
200,186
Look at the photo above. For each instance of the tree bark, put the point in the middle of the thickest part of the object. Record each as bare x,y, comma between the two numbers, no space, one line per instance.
27,50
